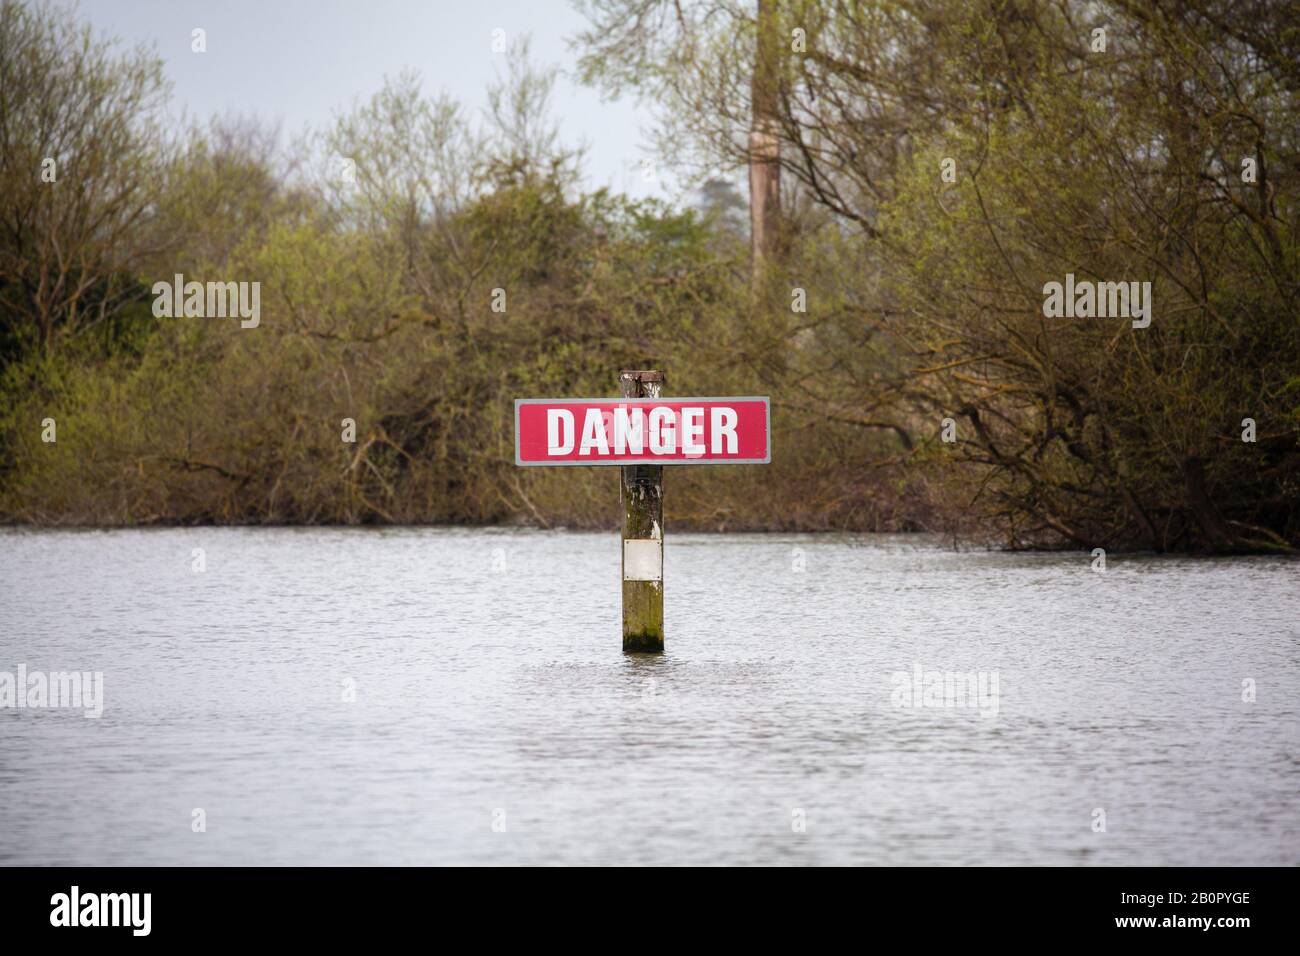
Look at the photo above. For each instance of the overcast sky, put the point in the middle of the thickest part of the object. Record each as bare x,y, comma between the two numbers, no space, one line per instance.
300,61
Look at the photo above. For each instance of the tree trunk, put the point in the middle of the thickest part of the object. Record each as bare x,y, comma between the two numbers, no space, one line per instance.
764,144
1217,533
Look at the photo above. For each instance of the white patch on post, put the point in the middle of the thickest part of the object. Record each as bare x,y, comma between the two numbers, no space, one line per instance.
643,559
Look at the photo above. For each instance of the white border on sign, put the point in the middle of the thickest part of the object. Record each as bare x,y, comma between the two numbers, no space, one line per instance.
767,425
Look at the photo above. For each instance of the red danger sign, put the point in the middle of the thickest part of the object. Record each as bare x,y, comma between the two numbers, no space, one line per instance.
642,431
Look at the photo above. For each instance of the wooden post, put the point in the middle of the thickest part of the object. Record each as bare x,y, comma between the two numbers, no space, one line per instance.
643,534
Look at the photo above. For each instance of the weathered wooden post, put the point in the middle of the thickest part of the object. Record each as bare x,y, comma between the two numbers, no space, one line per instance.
643,533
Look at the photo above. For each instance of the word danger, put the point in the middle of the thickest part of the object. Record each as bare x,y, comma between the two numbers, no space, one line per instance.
641,431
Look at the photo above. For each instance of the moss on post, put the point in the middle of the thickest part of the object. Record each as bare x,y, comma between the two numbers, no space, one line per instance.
641,492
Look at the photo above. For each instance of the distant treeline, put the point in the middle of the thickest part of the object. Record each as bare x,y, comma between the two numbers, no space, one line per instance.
938,164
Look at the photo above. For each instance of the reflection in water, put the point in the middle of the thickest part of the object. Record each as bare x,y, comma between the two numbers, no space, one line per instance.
453,696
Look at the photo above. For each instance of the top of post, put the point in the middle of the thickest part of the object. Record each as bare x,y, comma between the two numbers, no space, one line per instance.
640,383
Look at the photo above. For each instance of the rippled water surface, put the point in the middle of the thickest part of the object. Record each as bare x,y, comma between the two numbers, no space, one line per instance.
496,719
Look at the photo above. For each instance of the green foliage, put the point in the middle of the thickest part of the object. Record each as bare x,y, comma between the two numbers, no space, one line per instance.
1120,163
382,292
